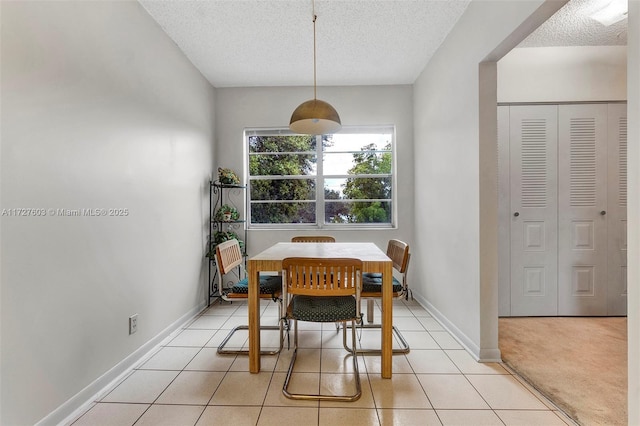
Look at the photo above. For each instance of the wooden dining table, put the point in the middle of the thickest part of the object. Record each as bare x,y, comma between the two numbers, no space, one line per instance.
270,260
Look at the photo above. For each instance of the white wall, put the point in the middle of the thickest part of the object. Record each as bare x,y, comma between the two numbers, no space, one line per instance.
563,74
99,110
240,108
456,237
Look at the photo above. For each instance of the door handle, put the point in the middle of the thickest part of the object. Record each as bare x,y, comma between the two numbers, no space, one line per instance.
603,212
516,214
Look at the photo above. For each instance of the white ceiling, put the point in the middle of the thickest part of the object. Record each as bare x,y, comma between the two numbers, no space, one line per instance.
573,26
241,43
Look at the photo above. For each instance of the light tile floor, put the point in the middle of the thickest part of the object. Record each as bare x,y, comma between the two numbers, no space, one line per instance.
185,382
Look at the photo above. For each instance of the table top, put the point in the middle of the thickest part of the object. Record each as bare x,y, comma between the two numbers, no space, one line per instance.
367,252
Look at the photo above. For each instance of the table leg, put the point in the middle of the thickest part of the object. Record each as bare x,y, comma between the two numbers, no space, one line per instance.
387,320
254,318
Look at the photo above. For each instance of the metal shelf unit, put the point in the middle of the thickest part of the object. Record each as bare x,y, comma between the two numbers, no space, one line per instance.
222,230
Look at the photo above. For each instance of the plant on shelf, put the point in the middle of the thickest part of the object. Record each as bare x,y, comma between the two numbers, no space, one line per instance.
227,176
226,213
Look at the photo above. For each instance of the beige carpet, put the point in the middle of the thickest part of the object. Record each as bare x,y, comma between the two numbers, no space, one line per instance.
578,363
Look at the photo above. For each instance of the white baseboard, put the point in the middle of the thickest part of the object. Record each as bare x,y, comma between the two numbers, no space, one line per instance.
480,355
77,404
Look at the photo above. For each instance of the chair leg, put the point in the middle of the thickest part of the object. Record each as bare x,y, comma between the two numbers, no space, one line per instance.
403,349
223,351
279,327
324,397
404,346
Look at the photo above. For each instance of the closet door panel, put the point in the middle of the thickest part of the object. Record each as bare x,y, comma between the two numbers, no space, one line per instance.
582,209
533,215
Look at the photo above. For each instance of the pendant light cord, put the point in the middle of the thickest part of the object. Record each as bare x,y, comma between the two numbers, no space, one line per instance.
314,54
314,49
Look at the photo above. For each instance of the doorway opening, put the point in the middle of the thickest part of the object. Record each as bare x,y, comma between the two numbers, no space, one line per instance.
533,88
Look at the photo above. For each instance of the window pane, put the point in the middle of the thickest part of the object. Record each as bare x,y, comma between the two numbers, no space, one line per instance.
362,162
337,164
282,165
282,143
357,212
355,142
283,189
358,188
283,213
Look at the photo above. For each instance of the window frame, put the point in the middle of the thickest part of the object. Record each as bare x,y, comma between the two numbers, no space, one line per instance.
319,178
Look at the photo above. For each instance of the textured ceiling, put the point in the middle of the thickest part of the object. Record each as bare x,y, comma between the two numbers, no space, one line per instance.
270,42
573,26
242,43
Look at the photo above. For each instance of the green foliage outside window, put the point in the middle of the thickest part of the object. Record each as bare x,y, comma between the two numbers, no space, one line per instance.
283,181
370,162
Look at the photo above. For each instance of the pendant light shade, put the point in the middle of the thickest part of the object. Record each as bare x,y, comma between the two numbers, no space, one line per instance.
315,117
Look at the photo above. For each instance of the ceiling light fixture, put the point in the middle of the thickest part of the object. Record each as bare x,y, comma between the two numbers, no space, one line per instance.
614,11
315,117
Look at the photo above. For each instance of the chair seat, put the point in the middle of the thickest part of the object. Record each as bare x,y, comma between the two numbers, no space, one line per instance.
371,275
323,309
269,284
373,284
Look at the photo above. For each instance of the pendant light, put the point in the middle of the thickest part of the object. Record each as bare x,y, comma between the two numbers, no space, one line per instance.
315,117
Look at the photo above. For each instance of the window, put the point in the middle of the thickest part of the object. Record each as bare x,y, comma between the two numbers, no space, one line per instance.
321,181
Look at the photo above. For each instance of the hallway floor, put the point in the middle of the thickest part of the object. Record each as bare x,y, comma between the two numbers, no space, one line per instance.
185,382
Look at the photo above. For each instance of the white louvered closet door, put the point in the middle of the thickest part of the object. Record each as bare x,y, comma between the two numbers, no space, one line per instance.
617,210
582,209
534,256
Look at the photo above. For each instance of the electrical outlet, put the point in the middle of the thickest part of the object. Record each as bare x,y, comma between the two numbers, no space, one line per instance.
133,323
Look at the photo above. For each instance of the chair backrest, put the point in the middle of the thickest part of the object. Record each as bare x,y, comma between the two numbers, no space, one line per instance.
313,239
322,276
228,256
398,252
